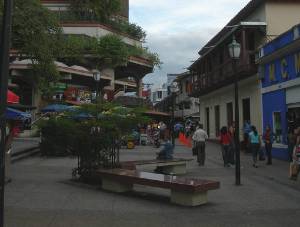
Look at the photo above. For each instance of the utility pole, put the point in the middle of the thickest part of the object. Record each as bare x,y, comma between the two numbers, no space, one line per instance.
4,69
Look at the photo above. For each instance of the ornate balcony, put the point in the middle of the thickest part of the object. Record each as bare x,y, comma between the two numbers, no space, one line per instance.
223,75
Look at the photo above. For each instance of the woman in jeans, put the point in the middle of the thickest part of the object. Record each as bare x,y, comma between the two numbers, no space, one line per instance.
254,144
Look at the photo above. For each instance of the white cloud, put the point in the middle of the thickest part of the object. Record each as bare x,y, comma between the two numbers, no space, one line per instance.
177,29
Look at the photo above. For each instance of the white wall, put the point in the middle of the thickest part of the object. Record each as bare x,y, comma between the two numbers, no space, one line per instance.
249,88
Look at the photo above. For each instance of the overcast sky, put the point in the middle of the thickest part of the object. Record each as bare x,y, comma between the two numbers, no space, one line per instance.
177,29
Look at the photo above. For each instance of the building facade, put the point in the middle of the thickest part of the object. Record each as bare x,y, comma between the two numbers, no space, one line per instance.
186,106
280,74
159,94
214,73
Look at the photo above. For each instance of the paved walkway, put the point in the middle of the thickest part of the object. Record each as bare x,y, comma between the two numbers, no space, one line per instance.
41,194
23,144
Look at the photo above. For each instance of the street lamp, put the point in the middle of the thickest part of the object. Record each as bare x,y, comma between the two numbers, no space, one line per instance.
97,78
174,89
4,70
234,52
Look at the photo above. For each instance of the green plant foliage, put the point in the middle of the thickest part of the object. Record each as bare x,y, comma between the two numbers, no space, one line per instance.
112,50
108,50
65,134
93,140
99,9
145,53
57,136
131,29
75,47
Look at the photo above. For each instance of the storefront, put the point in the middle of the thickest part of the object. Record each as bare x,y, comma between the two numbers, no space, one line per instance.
280,74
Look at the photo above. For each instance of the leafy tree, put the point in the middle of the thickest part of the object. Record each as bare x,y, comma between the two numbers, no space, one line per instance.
36,35
112,51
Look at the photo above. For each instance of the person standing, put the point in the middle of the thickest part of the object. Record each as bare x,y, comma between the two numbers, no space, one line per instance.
199,137
268,139
292,137
225,140
254,144
296,156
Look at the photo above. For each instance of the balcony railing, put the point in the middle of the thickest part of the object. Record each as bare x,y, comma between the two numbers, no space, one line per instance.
223,75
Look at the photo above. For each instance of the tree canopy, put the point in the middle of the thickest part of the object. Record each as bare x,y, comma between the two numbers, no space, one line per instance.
36,34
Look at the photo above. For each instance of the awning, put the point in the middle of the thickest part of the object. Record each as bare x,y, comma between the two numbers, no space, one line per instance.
55,108
13,114
12,98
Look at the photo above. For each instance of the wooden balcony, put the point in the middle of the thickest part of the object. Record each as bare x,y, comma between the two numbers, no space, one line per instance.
223,75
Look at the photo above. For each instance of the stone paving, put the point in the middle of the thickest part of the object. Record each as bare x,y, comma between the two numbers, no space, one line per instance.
41,194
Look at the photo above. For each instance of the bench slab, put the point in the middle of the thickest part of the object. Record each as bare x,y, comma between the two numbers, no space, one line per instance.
184,191
188,199
115,186
168,166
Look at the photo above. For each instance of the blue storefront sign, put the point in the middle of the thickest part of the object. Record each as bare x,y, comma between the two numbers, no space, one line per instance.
280,74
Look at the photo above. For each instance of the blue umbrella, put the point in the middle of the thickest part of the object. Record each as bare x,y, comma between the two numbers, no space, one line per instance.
55,108
13,114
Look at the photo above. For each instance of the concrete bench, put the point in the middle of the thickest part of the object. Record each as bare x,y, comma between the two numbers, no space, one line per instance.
184,191
174,166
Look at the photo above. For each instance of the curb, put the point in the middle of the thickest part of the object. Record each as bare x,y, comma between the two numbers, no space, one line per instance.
24,154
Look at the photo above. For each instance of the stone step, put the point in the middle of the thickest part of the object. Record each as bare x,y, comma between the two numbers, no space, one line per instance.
24,154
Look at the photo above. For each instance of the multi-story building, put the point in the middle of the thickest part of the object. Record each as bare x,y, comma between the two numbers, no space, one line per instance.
159,94
280,74
78,79
186,106
213,72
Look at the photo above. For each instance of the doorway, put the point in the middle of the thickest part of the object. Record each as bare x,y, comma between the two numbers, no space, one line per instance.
217,120
246,110
207,120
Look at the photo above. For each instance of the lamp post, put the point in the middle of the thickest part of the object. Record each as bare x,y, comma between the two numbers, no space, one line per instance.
174,90
97,78
235,51
4,67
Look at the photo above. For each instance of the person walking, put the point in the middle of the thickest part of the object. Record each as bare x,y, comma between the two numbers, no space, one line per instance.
296,156
225,140
247,130
254,144
292,137
268,138
199,138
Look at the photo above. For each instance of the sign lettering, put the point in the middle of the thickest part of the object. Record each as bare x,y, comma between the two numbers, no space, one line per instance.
284,66
272,72
297,64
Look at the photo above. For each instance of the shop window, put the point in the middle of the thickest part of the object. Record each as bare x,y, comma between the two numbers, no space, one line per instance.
159,94
277,127
187,105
